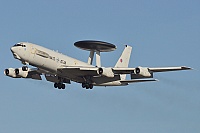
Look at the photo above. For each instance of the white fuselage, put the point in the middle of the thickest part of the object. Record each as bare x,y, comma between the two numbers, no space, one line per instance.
49,61
45,58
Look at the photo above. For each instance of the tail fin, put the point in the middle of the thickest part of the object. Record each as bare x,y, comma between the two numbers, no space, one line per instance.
124,60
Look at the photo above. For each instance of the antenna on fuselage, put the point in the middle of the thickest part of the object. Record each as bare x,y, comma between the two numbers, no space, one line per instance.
95,47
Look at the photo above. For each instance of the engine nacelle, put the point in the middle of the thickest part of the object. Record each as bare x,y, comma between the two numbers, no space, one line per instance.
19,72
16,73
11,73
107,72
23,72
144,72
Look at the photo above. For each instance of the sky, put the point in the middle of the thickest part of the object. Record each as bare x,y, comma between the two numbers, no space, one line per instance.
162,33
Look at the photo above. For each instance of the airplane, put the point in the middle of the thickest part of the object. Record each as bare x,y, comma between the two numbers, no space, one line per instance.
61,69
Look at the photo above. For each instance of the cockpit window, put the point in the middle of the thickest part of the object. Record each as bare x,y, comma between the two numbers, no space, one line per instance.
19,44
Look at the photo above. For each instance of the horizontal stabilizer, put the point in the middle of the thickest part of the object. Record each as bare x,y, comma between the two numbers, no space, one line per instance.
138,80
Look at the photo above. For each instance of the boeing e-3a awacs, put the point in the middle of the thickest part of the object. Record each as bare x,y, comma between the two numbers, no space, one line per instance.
61,69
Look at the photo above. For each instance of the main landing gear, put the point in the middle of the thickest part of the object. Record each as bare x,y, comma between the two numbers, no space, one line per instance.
88,82
59,85
87,85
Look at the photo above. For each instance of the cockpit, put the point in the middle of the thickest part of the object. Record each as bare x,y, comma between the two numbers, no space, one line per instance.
19,44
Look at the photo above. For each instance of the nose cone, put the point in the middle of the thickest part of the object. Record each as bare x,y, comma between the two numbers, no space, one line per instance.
12,49
14,52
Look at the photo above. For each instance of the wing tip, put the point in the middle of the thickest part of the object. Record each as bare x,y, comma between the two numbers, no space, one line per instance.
186,68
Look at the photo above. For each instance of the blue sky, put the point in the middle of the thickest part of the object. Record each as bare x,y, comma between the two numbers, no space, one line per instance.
162,33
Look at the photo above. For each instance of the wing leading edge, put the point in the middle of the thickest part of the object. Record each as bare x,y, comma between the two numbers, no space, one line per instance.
167,69
137,80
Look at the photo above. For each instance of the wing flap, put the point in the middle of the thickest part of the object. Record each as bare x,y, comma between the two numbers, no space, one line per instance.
34,73
36,77
55,79
79,71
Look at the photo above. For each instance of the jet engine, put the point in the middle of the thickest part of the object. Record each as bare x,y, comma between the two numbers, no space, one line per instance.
143,72
11,73
23,72
19,72
107,72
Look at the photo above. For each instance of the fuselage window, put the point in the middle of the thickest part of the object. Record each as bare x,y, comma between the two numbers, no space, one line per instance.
19,44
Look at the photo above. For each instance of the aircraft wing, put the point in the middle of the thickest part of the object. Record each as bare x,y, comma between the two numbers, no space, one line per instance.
166,69
94,71
117,70
137,80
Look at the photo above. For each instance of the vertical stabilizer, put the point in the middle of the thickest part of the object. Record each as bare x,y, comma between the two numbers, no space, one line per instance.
123,61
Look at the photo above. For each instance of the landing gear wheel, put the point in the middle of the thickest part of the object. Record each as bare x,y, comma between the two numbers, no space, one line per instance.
59,85
24,68
83,85
91,86
55,85
63,86
87,86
